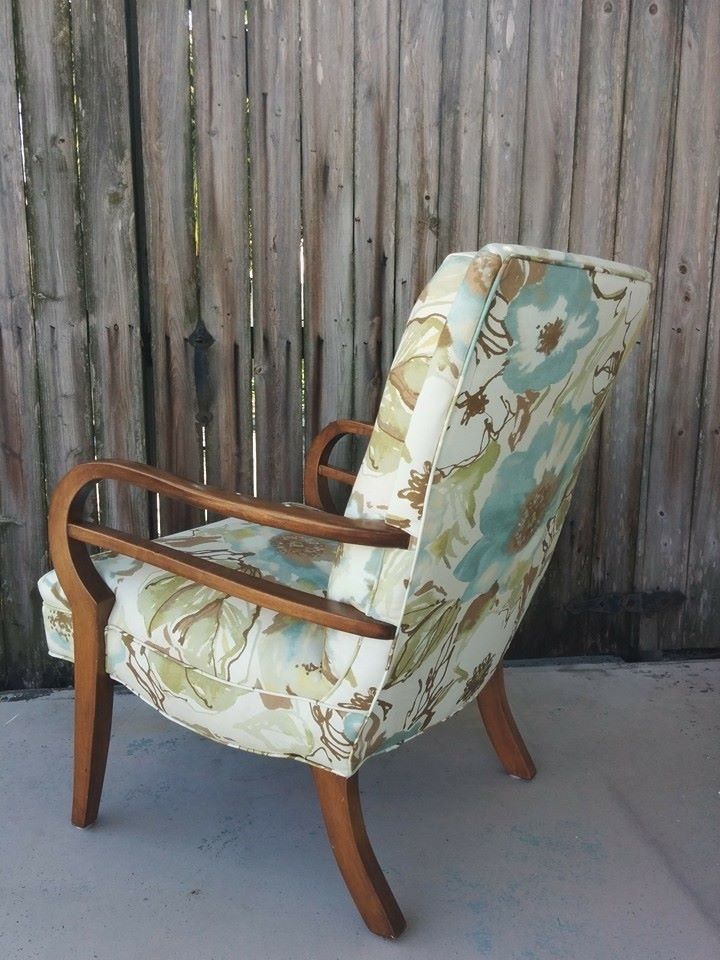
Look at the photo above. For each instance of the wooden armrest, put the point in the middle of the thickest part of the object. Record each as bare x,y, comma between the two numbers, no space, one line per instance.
317,466
294,518
257,590
82,583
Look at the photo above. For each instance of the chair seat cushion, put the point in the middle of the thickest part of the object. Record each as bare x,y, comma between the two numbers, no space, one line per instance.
222,637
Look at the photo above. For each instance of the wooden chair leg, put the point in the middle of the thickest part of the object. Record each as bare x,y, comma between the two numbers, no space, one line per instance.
93,712
502,729
340,805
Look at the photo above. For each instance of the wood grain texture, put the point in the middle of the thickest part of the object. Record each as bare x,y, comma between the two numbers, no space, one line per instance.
224,367
23,545
552,93
598,142
85,589
316,489
463,92
110,265
598,139
504,120
327,29
163,58
502,730
377,51
416,224
274,77
548,178
700,625
682,336
43,38
639,238
340,805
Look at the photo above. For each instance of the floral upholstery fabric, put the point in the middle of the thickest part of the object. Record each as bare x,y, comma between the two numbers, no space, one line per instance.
493,395
550,339
239,673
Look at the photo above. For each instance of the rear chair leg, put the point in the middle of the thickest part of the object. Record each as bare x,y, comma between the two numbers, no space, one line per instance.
340,805
502,729
93,710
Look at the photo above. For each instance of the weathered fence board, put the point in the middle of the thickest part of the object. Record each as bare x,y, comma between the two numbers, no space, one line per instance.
703,587
377,53
274,72
224,366
108,198
419,105
682,339
164,66
546,195
598,142
463,95
23,544
647,133
46,86
327,30
226,210
506,65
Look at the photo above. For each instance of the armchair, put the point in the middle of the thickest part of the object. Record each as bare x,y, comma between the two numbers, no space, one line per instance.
295,632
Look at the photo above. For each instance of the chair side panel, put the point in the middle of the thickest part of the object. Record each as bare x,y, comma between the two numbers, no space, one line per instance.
549,347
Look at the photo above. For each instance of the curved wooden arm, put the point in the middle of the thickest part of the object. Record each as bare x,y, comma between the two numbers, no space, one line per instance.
317,463
83,585
296,518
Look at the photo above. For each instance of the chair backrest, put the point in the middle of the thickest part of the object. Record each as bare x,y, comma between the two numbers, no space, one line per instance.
483,466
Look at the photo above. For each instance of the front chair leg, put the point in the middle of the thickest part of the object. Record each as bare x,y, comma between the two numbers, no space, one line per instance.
502,729
340,805
93,711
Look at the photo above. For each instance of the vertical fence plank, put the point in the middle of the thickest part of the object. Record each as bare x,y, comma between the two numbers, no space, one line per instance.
461,125
377,40
274,72
46,91
682,339
416,223
23,546
547,190
649,83
547,169
108,196
597,135
598,140
327,31
163,58
703,586
504,119
224,239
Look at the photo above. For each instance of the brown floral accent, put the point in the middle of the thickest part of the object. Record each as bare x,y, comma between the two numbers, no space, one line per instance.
363,701
472,404
247,568
533,511
301,549
519,273
549,336
493,340
525,403
415,493
334,741
481,273
476,610
475,682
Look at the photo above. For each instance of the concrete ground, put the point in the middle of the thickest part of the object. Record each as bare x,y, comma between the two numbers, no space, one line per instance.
200,852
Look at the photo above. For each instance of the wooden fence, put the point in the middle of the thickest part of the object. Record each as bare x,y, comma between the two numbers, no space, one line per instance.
216,216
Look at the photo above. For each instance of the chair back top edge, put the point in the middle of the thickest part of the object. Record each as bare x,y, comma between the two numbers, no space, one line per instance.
566,258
